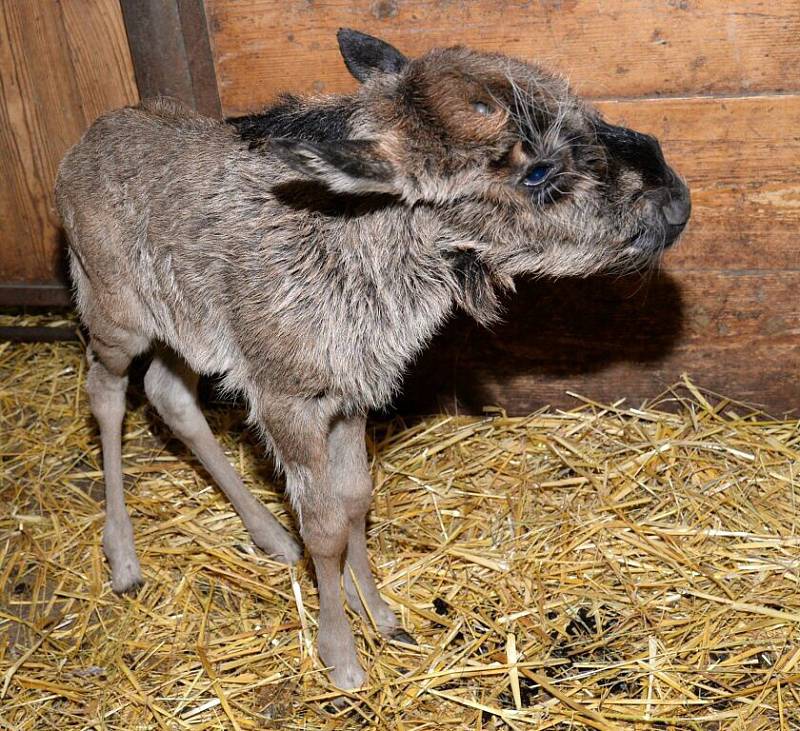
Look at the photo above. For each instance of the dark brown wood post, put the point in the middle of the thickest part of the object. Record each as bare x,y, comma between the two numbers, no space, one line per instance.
171,51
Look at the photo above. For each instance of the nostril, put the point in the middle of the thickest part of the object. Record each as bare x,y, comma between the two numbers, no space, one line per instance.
676,210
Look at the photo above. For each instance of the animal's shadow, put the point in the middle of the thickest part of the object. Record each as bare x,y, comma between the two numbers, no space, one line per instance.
552,330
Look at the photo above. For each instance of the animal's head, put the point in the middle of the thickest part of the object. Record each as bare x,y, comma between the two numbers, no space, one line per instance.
530,177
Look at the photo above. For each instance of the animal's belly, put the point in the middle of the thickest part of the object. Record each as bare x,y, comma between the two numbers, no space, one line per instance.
202,339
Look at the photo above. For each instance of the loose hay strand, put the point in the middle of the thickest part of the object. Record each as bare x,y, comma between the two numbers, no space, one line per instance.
607,567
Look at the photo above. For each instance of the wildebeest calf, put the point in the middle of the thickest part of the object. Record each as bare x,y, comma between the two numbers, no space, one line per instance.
308,254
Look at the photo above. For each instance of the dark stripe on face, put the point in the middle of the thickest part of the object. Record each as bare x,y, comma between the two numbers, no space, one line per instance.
632,149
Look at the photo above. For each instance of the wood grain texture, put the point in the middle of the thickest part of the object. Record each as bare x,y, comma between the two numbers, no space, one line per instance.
610,48
61,65
724,308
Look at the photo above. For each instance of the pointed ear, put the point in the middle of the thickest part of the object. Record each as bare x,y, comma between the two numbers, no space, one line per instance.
346,166
365,54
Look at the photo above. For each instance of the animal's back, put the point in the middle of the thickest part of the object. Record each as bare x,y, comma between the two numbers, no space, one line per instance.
129,150
132,195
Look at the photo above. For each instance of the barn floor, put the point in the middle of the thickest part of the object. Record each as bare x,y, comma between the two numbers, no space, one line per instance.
604,568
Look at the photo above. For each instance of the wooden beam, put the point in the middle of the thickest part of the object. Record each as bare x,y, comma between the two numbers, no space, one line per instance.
171,51
44,294
197,45
37,334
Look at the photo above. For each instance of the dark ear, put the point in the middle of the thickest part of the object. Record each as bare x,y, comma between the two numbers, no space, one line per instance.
365,54
346,166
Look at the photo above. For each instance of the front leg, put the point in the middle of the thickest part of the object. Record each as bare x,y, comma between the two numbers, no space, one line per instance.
299,430
326,541
349,474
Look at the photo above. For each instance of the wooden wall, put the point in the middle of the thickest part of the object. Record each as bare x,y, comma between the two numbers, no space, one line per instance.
61,65
716,81
608,48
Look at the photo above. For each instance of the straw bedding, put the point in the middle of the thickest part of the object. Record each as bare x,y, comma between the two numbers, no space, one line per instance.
603,568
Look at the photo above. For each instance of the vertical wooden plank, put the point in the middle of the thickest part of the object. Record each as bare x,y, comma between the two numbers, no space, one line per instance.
101,60
61,65
197,46
156,45
171,51
42,118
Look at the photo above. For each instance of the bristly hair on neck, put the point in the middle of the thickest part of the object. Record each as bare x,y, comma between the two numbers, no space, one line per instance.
296,118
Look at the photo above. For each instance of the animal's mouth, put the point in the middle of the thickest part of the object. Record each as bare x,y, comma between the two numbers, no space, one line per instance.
655,239
642,241
674,230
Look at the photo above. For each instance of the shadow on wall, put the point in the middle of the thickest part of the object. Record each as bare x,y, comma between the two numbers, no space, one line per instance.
552,330
60,261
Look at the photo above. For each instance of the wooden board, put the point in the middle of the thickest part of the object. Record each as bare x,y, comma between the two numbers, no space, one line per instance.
61,65
736,333
171,51
724,308
608,49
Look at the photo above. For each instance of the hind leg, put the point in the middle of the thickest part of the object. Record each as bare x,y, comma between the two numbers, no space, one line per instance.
106,384
172,388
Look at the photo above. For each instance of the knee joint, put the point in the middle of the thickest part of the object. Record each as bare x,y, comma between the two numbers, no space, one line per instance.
106,394
359,497
325,535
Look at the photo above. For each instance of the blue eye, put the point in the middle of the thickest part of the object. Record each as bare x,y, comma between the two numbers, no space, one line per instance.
537,175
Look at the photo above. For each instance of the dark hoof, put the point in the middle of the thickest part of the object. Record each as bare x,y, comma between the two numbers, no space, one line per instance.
401,636
131,589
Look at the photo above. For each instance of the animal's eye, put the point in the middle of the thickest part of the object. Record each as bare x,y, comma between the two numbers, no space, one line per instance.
482,108
537,175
